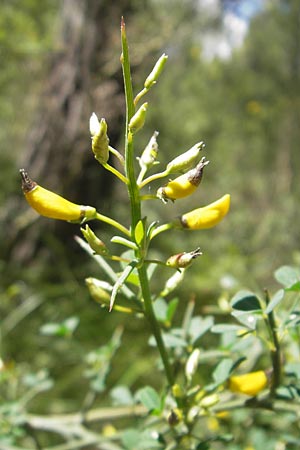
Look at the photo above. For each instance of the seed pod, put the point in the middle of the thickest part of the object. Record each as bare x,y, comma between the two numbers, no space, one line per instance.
186,160
51,205
250,383
208,216
184,185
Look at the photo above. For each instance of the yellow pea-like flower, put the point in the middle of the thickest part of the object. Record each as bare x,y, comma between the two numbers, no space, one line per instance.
207,216
184,185
250,383
51,205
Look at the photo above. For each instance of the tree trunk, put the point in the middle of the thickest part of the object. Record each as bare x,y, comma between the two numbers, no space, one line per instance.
84,76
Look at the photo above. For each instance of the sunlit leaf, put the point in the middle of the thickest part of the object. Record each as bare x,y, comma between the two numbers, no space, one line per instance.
276,299
289,277
149,398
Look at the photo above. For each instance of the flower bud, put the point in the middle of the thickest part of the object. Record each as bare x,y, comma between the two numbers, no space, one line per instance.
175,417
94,242
249,384
192,364
172,282
184,185
51,205
100,139
156,71
186,160
149,155
137,121
177,391
183,260
101,292
208,216
209,401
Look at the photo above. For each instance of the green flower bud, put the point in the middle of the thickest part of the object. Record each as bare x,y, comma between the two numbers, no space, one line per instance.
156,71
149,155
100,139
138,120
186,160
94,242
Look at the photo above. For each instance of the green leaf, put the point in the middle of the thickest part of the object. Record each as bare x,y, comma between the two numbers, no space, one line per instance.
121,395
120,281
123,241
172,307
245,301
226,328
160,309
199,326
149,398
289,277
276,299
293,369
170,340
139,232
246,318
223,371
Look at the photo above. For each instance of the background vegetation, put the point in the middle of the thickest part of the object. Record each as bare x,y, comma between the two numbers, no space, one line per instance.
245,107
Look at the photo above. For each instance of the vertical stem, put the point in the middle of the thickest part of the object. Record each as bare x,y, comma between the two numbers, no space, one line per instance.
156,330
133,191
275,352
135,204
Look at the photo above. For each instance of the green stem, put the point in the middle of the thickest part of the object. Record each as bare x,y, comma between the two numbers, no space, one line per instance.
140,95
275,351
115,172
117,155
154,177
156,330
113,223
161,229
135,204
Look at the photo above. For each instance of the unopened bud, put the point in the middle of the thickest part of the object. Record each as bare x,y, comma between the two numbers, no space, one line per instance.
183,260
149,155
172,282
138,120
192,364
100,139
94,242
156,71
177,391
175,417
186,160
209,401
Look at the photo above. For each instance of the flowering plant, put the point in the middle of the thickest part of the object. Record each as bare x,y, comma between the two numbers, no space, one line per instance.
184,403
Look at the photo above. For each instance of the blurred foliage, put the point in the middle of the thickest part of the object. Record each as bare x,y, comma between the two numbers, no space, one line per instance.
247,110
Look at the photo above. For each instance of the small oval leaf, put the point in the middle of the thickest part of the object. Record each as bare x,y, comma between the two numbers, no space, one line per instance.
245,301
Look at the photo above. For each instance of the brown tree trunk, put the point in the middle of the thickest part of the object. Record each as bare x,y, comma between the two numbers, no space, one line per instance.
84,76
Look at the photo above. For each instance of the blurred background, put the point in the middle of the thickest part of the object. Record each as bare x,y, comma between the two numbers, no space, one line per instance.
232,80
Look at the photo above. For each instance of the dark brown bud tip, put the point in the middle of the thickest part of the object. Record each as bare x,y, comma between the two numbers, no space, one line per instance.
27,183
